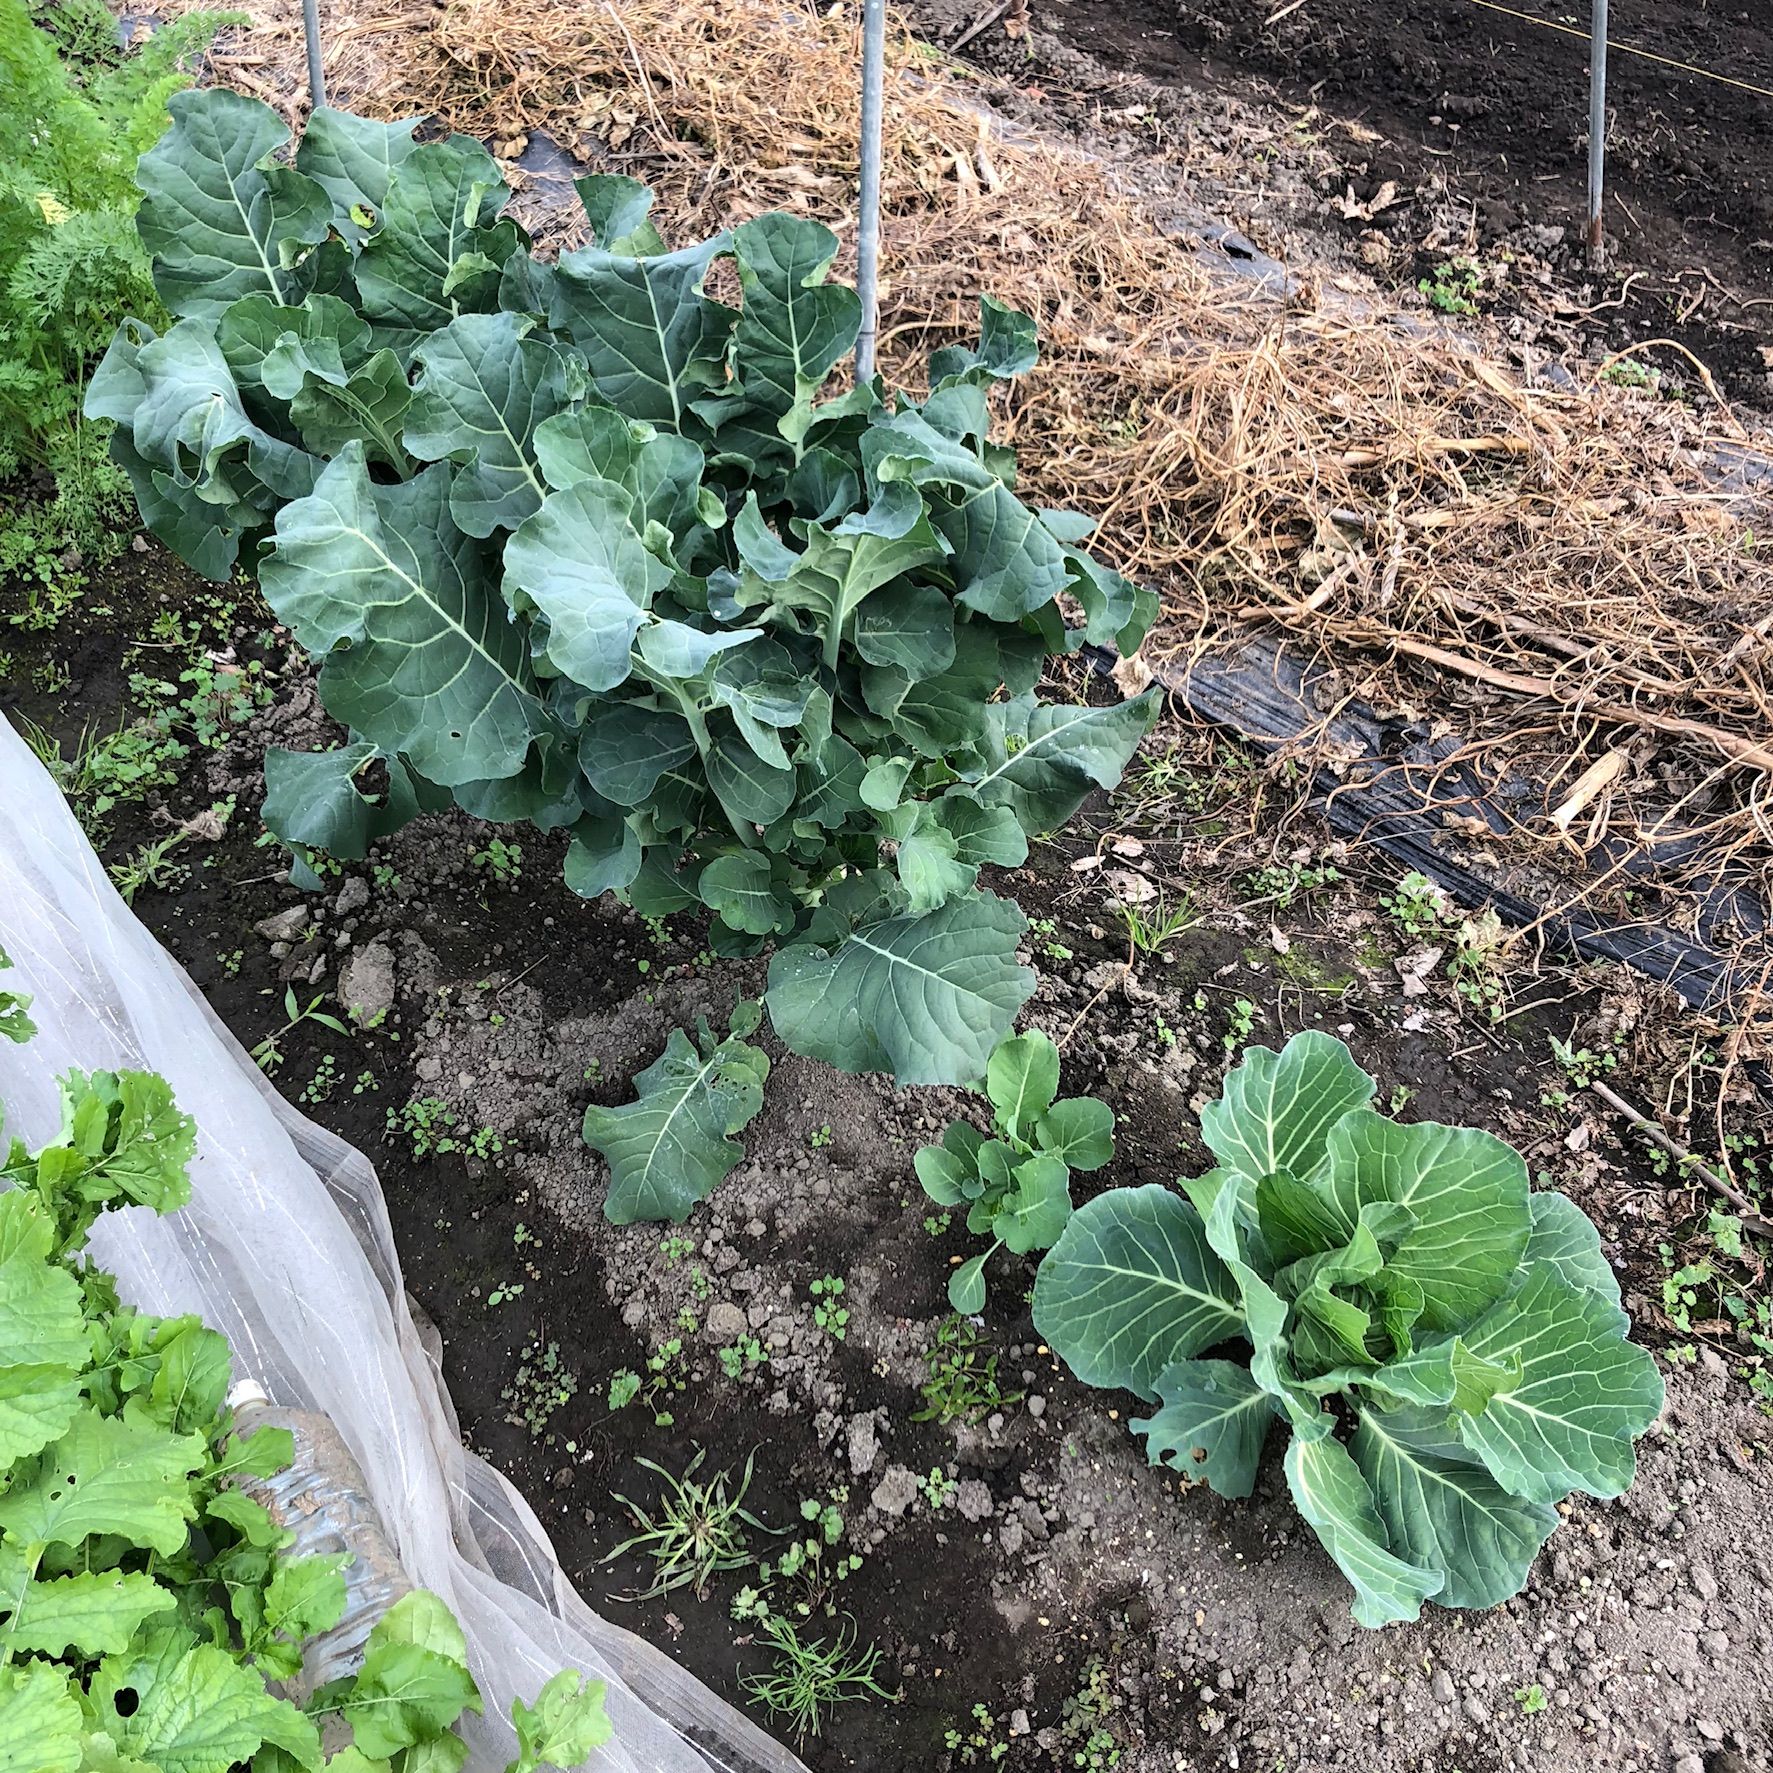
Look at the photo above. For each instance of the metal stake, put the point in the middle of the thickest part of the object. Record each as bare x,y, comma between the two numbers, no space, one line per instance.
1597,131
316,73
868,218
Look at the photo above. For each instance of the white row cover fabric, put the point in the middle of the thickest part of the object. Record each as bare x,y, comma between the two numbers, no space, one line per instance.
286,1249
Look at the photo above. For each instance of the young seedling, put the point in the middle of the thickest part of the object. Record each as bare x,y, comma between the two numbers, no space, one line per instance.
268,1054
1016,1187
828,1314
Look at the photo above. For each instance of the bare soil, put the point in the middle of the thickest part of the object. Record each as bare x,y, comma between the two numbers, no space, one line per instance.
1074,1594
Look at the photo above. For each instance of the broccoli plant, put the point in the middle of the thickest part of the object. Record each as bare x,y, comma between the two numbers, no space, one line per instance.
1446,1347
1015,1186
581,544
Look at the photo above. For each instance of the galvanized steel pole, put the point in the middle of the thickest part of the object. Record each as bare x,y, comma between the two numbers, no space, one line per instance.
316,73
868,217
1597,131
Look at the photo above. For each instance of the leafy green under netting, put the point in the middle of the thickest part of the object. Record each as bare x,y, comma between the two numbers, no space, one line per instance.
1446,1346
145,1602
75,111
579,543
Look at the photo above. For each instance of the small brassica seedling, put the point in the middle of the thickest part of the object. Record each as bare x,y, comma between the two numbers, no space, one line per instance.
1446,1347
1015,1186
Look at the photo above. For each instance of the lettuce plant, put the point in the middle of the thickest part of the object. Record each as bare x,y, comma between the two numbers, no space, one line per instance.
147,1606
580,543
1016,1185
1446,1347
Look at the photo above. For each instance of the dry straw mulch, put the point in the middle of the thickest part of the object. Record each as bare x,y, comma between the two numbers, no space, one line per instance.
1554,572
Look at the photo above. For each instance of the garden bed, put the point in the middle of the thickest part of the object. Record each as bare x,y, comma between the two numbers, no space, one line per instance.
1044,1573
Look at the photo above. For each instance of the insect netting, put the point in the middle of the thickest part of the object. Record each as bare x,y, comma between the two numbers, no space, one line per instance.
286,1249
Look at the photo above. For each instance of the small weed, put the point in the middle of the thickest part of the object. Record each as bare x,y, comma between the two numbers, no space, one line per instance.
663,1380
1240,1024
1084,1722
981,1744
1047,932
1453,288
428,1124
820,1137
149,866
1531,1699
501,860
810,1561
1281,884
810,1677
1418,907
319,1088
696,1533
938,1488
268,1054
962,1386
1152,931
539,1388
828,1314
740,1357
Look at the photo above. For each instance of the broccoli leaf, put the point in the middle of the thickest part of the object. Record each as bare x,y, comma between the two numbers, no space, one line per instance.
667,1149
924,997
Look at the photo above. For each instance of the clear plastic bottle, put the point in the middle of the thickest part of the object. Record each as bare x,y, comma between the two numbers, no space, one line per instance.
322,1499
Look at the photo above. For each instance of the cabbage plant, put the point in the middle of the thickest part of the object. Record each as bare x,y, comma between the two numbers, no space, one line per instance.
1445,1347
586,544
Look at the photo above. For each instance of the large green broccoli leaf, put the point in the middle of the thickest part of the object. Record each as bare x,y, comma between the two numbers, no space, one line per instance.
1211,1425
668,1148
421,657
580,562
481,387
1005,560
793,326
220,216
1565,1235
1132,1287
316,798
440,245
1467,1191
924,997
1277,1109
1045,758
653,341
353,160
